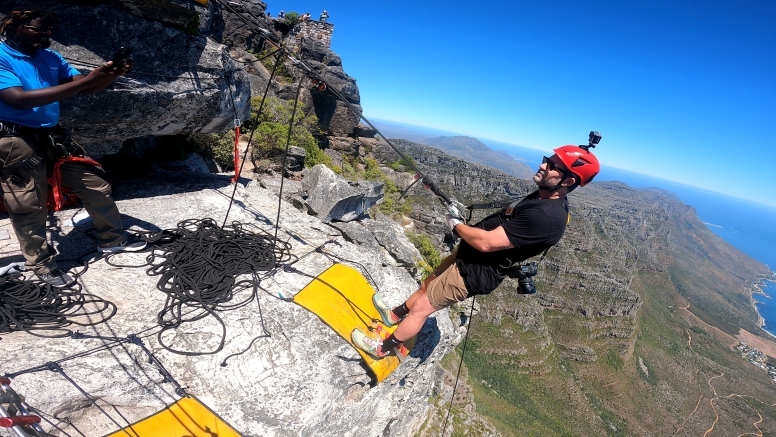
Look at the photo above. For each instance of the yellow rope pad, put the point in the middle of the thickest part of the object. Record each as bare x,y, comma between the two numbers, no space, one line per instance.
188,417
342,298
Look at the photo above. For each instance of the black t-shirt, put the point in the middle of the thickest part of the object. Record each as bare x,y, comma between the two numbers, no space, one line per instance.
536,224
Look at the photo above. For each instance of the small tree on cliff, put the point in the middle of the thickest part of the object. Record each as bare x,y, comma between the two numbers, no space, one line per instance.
269,139
292,18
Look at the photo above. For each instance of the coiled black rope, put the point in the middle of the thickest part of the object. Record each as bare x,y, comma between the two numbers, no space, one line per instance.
33,305
198,264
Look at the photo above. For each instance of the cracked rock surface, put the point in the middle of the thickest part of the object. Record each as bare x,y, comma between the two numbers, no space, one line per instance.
292,376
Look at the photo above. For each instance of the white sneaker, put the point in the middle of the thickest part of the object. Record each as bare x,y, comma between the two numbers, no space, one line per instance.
131,244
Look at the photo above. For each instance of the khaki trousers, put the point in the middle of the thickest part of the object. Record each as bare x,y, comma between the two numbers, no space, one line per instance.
26,201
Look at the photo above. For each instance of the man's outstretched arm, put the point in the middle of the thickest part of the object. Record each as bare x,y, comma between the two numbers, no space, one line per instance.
98,79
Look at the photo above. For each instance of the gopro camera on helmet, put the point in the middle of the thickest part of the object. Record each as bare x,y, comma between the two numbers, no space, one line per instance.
524,275
592,140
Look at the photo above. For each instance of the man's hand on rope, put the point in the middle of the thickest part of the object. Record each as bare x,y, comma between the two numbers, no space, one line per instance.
453,221
456,209
454,216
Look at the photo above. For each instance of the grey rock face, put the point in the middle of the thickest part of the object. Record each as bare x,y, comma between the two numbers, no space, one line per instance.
300,379
391,236
364,131
228,27
330,197
334,116
356,233
296,157
179,84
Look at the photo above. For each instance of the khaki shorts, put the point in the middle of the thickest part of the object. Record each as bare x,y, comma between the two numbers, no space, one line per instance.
447,288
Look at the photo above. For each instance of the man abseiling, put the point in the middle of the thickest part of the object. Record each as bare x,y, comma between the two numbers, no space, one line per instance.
33,79
489,248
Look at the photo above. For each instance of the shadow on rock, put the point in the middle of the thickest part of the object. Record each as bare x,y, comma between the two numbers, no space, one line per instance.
427,340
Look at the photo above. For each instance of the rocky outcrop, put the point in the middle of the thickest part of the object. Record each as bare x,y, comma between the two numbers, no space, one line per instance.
193,72
334,116
291,375
331,197
391,236
180,83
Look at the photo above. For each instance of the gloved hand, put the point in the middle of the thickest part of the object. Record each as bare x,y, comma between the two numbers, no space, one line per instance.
452,222
456,209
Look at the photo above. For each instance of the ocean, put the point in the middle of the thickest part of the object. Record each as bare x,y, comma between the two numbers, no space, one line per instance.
748,226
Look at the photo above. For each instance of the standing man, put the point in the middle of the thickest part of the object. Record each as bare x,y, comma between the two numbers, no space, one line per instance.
33,79
324,16
491,248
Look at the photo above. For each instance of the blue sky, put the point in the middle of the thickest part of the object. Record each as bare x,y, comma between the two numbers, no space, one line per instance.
684,91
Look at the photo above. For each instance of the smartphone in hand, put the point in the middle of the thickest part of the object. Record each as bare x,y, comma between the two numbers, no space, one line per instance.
121,55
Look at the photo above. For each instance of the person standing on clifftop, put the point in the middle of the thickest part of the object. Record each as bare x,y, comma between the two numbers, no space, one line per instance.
33,79
324,16
490,248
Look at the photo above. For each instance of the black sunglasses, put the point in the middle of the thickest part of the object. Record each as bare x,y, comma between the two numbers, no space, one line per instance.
553,166
40,29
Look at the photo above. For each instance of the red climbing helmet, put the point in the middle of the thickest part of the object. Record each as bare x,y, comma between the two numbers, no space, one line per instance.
579,161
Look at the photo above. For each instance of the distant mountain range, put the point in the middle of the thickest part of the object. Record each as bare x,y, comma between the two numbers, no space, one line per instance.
463,147
633,330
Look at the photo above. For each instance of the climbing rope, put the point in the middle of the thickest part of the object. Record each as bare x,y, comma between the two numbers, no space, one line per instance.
460,364
198,264
33,305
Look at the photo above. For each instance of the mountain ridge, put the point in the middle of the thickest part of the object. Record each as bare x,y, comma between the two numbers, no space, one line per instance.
637,291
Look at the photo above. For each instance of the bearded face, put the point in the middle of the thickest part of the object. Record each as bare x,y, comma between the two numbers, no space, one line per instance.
550,173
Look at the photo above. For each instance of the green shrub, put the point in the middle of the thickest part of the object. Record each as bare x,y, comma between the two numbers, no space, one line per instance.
405,162
192,27
430,253
292,18
386,207
269,138
282,74
220,147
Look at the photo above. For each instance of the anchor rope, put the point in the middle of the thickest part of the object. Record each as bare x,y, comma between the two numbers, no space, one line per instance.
33,305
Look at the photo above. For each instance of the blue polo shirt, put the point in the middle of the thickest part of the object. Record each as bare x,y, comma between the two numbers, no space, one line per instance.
45,69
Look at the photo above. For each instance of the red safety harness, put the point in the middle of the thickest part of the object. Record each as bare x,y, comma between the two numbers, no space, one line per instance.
60,197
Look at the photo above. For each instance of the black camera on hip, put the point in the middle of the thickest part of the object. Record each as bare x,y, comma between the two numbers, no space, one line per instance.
524,275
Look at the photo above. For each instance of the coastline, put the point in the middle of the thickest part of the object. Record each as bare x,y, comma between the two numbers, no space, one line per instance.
759,290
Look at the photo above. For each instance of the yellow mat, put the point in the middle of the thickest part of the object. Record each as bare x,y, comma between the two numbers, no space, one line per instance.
186,418
342,298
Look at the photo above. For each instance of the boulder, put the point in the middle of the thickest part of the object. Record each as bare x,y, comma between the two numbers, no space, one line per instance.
295,159
345,145
356,233
180,83
364,131
391,236
330,197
